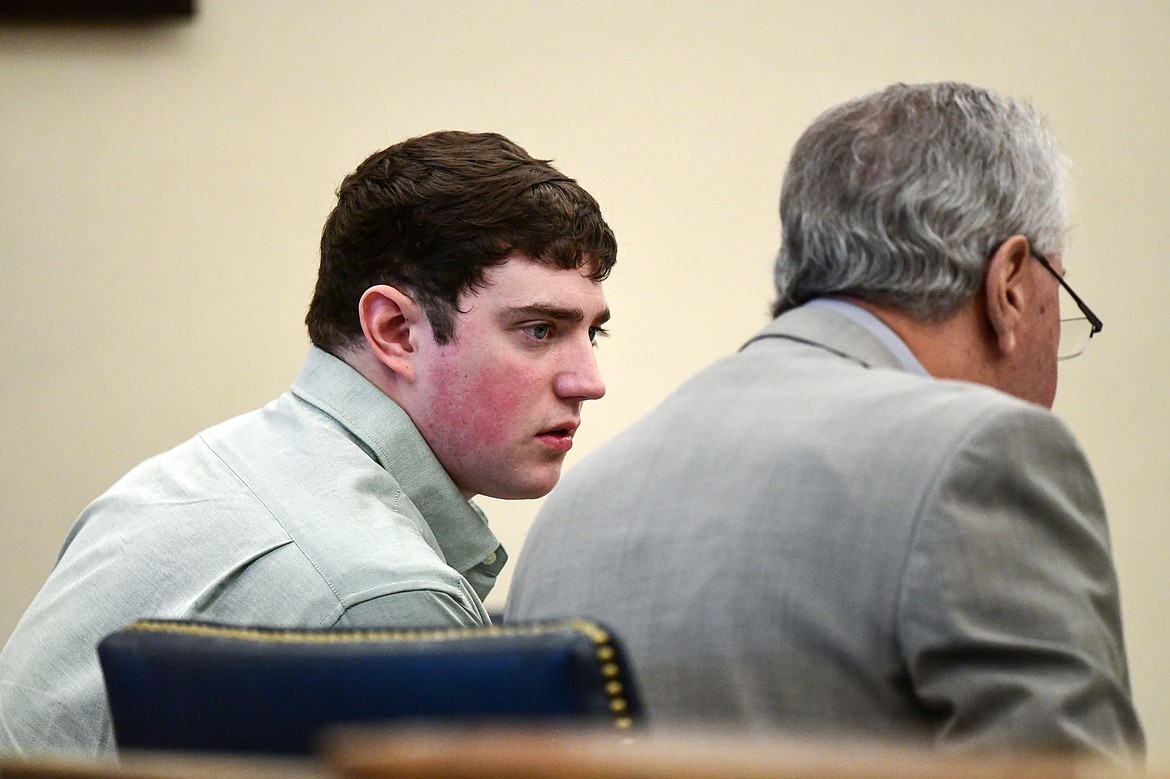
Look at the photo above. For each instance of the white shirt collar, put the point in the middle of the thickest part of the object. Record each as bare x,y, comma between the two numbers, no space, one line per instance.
877,328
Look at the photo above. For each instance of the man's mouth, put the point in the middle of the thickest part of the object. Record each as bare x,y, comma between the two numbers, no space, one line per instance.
559,439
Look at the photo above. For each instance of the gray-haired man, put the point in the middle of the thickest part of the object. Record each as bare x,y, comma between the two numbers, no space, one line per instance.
868,522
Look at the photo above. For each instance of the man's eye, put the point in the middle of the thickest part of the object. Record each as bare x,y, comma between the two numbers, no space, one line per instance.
597,332
540,332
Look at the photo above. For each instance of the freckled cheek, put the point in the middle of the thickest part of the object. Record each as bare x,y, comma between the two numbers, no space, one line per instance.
490,407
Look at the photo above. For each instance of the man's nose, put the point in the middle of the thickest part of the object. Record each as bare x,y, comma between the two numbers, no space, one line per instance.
581,377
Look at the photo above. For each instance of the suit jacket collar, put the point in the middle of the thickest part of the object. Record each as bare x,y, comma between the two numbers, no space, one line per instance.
831,331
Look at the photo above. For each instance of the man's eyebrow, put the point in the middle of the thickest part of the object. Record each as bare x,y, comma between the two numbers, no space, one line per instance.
552,311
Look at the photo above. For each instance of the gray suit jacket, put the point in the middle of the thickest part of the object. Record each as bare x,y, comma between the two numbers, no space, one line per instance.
806,536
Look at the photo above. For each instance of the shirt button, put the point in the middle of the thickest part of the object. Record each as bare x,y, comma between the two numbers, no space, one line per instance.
489,559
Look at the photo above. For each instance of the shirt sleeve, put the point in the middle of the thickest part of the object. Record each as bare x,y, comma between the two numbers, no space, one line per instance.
421,608
1009,616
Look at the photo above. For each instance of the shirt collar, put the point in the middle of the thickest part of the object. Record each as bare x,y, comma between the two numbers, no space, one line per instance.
383,429
876,327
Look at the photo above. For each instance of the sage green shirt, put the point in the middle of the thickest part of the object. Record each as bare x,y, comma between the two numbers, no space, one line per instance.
324,508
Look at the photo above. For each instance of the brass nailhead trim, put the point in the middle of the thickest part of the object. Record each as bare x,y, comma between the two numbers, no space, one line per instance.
605,651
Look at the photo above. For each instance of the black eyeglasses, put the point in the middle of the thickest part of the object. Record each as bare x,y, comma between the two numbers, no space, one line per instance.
1075,332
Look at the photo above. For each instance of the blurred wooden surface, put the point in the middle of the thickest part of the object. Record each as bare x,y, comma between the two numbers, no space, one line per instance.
149,765
460,752
492,753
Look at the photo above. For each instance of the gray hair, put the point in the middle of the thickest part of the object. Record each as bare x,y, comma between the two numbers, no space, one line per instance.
900,197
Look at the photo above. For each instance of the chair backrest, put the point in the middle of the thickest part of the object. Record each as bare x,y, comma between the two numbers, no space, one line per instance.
207,687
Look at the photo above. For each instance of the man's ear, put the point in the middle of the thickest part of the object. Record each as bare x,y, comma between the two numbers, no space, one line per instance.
391,322
1008,291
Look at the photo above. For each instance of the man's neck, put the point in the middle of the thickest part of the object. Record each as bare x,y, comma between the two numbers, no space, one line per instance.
951,348
362,361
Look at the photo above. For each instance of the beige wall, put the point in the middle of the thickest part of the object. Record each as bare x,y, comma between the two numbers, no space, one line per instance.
164,185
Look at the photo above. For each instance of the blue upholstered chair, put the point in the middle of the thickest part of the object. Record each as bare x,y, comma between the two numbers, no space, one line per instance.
205,687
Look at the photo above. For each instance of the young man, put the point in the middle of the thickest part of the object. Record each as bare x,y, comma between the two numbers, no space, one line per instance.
453,323
868,522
